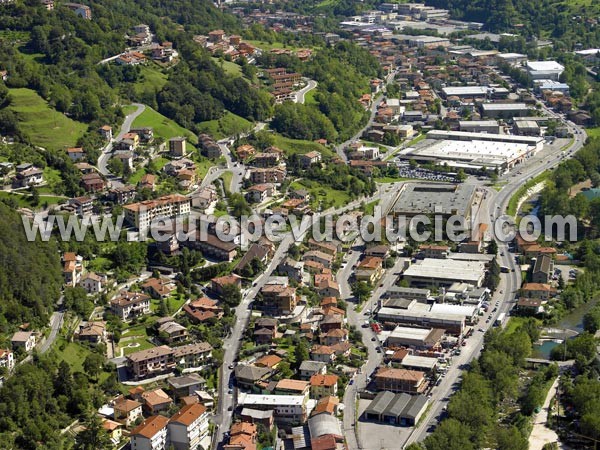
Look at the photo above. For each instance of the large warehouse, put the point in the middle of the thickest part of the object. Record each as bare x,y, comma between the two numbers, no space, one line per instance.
472,155
397,409
473,151
444,272
417,338
443,199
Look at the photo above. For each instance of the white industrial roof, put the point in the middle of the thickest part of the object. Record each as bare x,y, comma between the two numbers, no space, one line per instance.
419,314
447,269
511,55
466,90
474,152
504,106
544,66
589,51
419,361
410,333
445,308
271,400
445,134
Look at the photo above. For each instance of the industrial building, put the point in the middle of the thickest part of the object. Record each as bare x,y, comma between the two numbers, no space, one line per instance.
472,155
536,142
421,295
544,70
444,272
504,110
419,315
416,338
479,126
443,199
396,409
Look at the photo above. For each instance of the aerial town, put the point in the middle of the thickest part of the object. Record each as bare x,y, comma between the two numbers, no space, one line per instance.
195,113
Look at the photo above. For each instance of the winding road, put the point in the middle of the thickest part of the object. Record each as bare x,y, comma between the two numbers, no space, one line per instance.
107,151
497,204
340,149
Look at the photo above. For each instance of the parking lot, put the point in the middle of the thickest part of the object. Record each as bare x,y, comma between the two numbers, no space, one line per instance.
391,437
405,171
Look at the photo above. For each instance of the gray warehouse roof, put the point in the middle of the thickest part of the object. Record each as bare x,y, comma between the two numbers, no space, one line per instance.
424,198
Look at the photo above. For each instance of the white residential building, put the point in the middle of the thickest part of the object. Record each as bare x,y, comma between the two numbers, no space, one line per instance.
188,427
151,434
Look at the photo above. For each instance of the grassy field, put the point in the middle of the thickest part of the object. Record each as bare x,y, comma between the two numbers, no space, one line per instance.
390,179
515,322
292,146
319,193
514,200
229,67
309,97
24,201
163,126
227,177
228,125
266,46
45,126
593,132
151,79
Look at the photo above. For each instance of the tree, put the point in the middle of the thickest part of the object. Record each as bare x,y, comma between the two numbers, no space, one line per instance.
301,353
361,291
115,166
591,320
450,435
93,436
492,247
231,294
93,364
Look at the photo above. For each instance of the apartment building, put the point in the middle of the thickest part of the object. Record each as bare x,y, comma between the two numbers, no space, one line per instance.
142,214
129,305
188,427
151,362
151,434
278,299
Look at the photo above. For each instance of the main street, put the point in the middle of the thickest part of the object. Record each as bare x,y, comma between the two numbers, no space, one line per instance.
231,344
340,149
107,151
509,283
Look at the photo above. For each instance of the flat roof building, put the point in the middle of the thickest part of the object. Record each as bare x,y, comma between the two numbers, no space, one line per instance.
479,126
397,409
453,324
504,110
417,338
444,272
544,70
444,199
473,155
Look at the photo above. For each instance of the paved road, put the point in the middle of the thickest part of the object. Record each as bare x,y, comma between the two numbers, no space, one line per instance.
340,148
107,151
222,418
540,433
56,321
374,360
505,294
300,95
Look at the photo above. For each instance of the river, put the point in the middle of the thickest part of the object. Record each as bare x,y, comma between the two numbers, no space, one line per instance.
572,321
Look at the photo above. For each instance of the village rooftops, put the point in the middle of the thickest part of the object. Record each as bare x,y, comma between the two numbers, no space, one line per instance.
150,427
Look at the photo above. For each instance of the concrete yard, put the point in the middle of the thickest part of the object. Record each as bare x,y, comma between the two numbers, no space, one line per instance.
390,437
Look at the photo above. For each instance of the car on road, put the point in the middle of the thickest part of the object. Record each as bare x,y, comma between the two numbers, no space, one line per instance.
373,339
230,391
231,366
230,408
351,382
482,330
